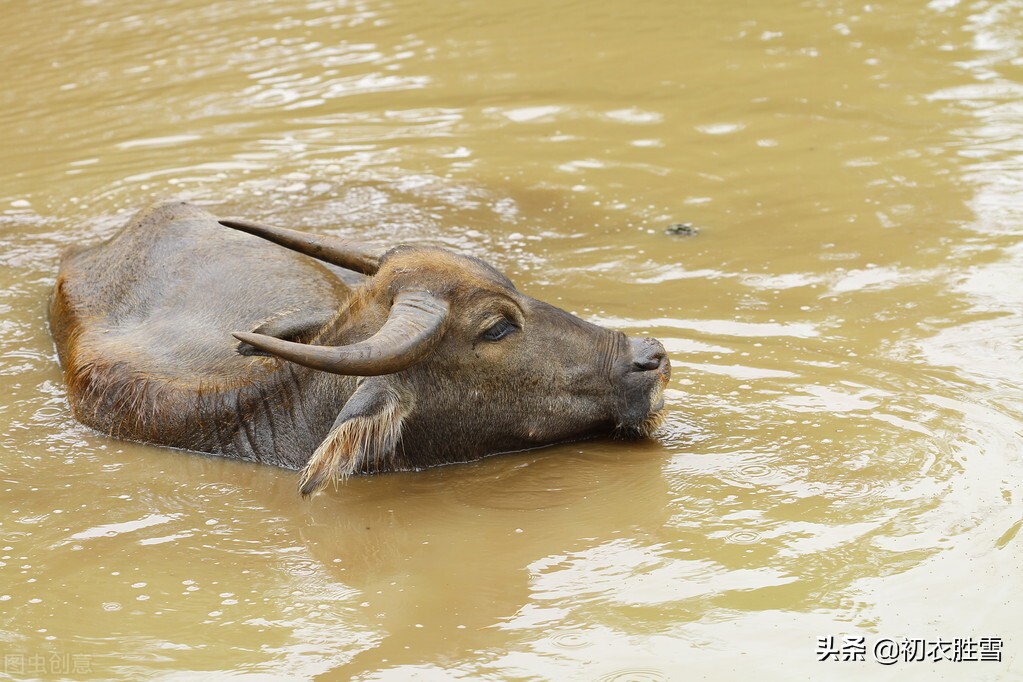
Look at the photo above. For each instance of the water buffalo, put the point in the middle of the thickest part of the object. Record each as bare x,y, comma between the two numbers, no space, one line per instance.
433,357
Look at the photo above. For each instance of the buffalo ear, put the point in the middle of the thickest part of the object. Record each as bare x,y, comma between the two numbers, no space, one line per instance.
364,434
299,326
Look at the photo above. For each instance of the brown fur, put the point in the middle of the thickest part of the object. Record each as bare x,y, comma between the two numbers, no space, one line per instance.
107,394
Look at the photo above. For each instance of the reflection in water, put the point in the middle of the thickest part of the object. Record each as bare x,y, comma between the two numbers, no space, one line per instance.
842,450
450,564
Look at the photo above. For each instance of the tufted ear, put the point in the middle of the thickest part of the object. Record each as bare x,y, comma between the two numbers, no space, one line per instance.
364,434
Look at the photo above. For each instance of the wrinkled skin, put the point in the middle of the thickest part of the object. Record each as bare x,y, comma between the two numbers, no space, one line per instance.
143,327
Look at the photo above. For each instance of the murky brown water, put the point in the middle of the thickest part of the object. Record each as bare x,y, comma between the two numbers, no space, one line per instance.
843,453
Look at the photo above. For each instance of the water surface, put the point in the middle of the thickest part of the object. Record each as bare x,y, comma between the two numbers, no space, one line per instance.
842,453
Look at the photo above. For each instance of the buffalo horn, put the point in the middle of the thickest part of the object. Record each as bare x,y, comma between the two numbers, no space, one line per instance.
412,330
341,252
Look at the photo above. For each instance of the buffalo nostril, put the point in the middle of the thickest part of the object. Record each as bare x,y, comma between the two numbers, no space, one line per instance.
647,355
648,362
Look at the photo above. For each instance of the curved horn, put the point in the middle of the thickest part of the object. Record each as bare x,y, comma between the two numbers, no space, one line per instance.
347,254
412,330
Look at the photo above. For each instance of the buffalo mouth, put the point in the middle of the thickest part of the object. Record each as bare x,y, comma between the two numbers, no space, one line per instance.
647,425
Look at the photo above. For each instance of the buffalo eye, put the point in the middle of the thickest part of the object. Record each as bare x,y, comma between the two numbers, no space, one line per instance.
499,330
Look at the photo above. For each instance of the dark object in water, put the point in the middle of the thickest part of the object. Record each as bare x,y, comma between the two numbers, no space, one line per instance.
682,230
428,357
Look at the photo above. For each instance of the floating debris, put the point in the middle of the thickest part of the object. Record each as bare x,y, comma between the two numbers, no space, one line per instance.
682,229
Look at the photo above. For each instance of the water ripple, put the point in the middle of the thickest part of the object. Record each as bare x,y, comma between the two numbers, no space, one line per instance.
634,675
570,640
744,537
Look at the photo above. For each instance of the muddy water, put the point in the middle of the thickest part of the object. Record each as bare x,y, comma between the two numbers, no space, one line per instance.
842,454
